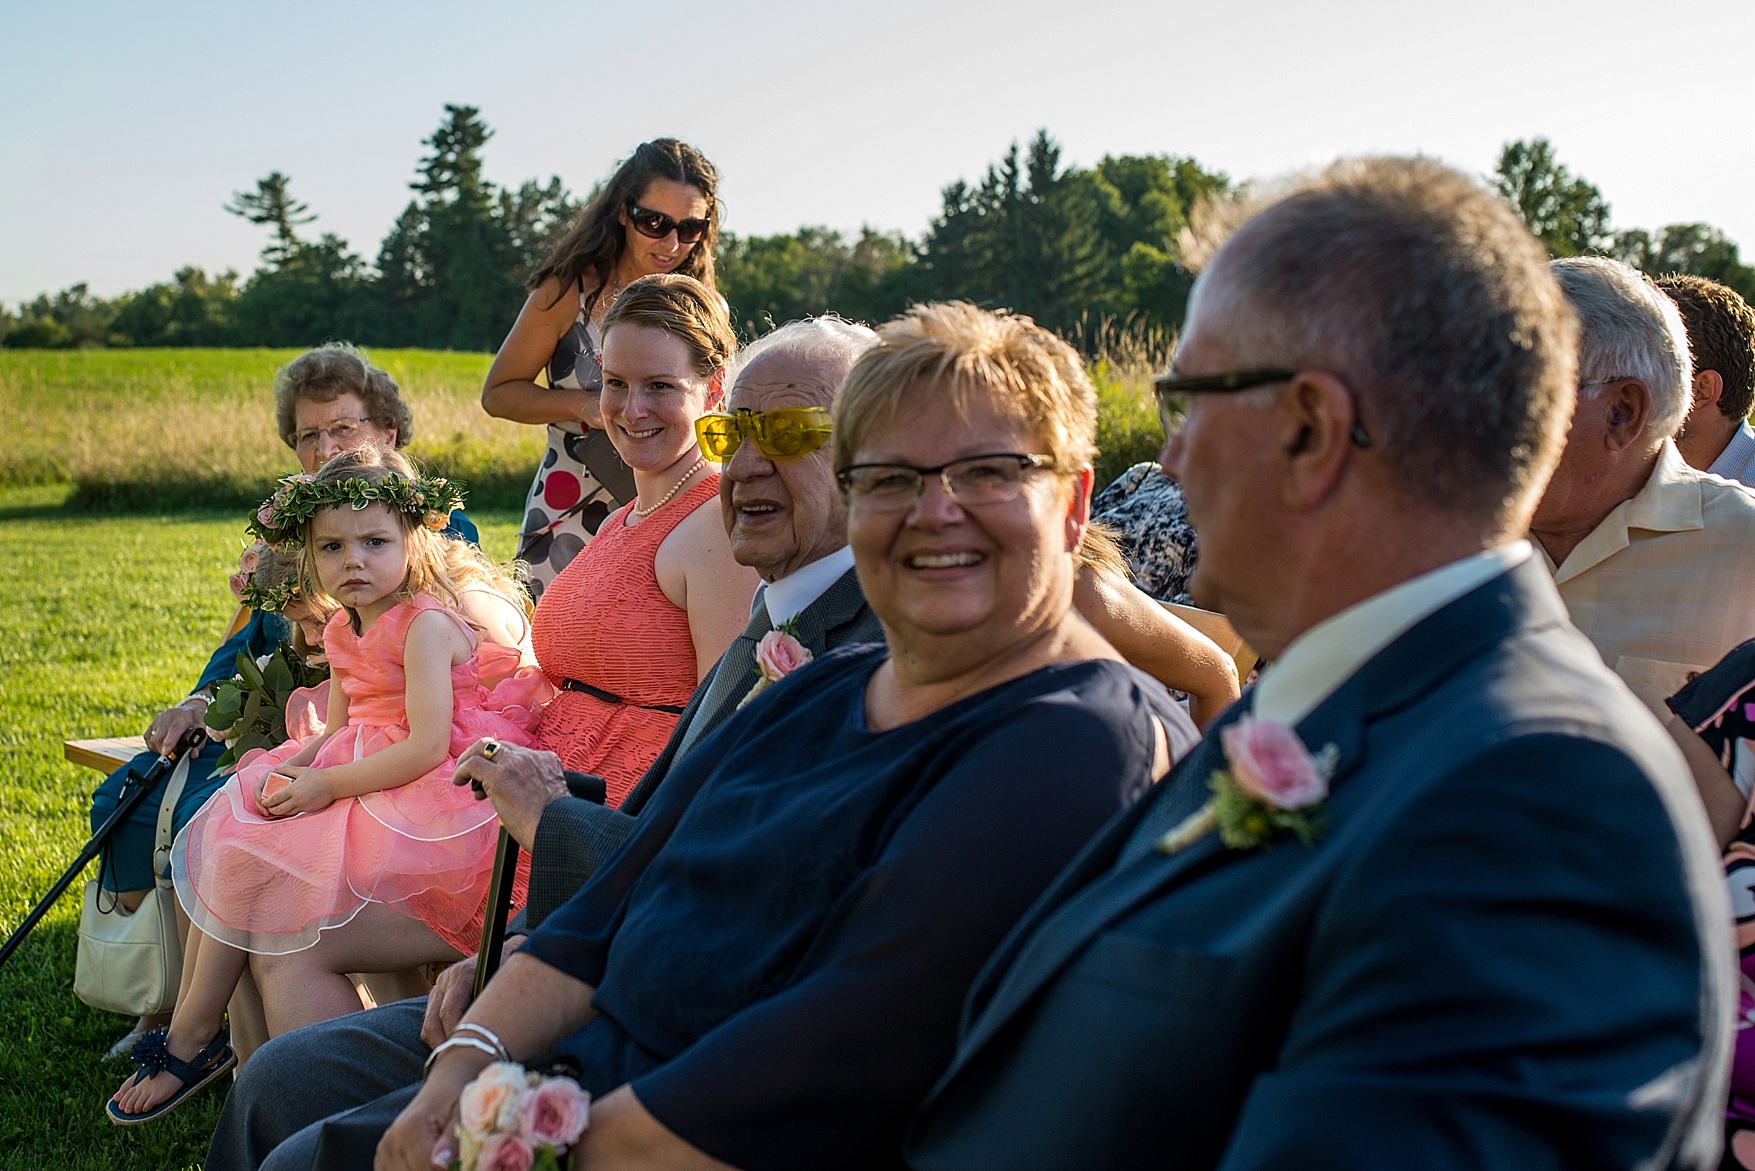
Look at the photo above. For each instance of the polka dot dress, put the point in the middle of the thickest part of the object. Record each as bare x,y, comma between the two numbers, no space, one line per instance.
582,479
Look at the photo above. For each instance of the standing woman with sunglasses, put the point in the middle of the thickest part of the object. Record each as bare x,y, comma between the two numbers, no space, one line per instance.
659,213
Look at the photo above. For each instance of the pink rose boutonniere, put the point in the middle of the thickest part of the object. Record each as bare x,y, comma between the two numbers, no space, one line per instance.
1273,785
778,655
512,1120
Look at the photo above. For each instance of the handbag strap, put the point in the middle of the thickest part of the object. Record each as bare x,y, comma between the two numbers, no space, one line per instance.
167,816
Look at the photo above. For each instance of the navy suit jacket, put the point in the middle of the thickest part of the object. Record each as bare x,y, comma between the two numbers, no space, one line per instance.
1507,950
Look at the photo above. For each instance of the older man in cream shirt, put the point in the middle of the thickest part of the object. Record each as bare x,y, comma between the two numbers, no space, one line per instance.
1654,559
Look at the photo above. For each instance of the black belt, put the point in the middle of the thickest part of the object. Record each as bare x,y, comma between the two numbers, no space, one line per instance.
611,697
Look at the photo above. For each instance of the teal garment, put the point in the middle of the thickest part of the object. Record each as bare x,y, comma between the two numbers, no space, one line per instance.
127,862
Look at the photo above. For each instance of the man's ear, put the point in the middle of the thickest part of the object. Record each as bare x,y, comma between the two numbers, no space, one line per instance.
1316,417
1709,387
1627,410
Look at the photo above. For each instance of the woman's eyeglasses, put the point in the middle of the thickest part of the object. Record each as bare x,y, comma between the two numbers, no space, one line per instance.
656,225
971,482
340,432
783,434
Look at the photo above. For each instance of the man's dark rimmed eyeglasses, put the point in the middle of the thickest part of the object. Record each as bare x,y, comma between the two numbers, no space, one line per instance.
1167,387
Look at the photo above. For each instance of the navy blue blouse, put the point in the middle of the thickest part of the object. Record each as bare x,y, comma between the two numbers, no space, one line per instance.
781,947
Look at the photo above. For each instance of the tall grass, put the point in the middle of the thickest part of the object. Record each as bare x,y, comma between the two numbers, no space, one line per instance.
151,430
160,430
1122,357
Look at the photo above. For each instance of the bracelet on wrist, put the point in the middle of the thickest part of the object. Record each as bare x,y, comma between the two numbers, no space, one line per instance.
457,1043
486,1034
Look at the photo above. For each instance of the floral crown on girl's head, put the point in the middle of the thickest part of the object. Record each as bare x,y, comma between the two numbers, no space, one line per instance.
280,522
246,589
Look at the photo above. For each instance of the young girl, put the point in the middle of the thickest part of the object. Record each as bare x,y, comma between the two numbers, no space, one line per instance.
361,821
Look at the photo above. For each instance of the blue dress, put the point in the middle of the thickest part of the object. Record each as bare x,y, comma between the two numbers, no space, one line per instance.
787,933
126,863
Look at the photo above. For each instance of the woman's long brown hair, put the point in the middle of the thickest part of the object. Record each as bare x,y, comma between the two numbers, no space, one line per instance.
597,240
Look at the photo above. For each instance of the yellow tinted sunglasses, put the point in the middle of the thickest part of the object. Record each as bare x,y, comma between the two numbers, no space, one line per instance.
784,434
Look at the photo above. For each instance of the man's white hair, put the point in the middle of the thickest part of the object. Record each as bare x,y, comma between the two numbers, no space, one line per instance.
1629,329
826,338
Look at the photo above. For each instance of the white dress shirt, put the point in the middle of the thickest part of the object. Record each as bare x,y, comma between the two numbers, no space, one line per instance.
788,597
1329,653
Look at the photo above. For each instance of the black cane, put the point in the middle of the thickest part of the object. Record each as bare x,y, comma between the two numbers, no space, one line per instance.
134,791
499,909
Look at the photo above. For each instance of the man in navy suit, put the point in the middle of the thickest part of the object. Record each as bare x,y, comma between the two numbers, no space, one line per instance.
1504,946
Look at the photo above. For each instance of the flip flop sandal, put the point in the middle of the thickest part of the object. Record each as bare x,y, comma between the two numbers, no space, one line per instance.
152,1056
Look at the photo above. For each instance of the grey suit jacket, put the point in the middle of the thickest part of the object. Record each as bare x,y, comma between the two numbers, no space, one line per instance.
576,836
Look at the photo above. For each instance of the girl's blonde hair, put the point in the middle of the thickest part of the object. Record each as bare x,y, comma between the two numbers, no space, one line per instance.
440,566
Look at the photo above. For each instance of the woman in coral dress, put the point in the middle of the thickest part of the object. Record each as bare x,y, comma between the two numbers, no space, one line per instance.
630,626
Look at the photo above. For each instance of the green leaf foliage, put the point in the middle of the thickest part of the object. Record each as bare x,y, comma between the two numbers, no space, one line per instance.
1566,213
250,710
1064,244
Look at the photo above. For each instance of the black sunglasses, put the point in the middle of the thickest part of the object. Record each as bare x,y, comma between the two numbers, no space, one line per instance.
1167,386
657,225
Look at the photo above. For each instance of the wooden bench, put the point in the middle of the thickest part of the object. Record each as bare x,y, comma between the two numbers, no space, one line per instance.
109,753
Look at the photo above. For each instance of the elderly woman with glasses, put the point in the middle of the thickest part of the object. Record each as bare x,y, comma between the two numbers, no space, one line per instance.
769,972
659,213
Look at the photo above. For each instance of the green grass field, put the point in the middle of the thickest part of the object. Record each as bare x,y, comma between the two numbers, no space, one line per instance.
104,621
151,430
146,430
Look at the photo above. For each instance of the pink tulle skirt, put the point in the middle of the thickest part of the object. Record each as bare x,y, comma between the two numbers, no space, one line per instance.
273,885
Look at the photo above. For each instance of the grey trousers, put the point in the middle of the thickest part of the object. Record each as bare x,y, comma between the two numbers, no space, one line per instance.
322,1093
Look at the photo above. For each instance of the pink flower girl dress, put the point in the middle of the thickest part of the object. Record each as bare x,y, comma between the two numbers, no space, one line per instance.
271,885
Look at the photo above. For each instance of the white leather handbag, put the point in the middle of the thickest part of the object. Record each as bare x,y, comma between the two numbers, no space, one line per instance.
131,963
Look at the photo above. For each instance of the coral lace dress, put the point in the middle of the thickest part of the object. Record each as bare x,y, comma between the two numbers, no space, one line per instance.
616,649
272,885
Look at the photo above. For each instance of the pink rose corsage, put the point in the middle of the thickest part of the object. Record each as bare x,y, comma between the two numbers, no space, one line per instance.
511,1120
778,655
1273,786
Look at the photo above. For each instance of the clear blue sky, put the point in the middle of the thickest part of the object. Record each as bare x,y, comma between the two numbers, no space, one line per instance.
128,124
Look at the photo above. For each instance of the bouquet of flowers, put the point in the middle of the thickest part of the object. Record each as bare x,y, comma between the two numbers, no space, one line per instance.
250,711
512,1120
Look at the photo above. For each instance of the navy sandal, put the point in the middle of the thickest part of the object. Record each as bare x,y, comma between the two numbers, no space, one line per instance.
152,1056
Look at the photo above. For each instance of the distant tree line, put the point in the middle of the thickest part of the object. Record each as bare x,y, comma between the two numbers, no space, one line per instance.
1070,246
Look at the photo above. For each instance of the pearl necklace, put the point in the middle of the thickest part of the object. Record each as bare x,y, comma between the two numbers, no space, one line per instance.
643,513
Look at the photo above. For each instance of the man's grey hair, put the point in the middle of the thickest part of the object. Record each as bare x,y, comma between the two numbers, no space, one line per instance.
1628,328
826,339
1423,293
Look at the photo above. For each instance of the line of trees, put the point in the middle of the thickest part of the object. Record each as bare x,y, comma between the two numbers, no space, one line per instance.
1070,246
